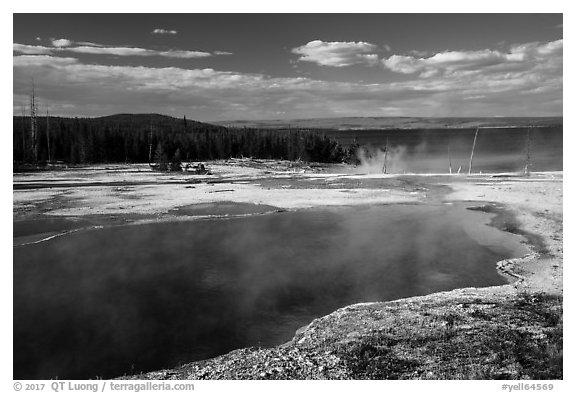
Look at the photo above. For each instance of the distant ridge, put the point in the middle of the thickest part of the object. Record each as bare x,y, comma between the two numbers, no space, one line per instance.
140,119
149,118
352,123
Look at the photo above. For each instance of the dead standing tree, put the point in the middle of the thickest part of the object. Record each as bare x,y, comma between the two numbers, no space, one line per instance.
449,157
24,152
150,145
528,162
384,167
472,154
48,135
34,126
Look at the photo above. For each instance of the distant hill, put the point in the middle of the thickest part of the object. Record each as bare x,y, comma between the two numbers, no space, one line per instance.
357,123
147,119
128,121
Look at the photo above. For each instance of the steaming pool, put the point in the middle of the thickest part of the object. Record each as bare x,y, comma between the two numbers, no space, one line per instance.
133,298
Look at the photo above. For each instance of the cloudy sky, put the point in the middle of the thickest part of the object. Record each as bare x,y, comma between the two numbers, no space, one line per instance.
261,66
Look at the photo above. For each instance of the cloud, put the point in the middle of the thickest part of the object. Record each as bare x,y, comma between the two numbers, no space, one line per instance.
86,43
222,53
520,57
528,61
60,43
63,45
337,54
129,51
163,31
31,49
446,61
524,81
44,61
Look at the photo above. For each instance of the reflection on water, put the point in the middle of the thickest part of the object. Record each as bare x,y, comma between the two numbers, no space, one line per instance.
142,297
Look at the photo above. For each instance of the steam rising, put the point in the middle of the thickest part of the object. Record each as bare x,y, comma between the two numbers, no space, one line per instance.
496,151
387,159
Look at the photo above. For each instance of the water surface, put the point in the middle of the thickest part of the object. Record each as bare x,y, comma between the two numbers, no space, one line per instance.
498,149
125,299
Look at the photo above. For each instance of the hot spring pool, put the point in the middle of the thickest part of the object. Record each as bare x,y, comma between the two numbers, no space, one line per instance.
126,299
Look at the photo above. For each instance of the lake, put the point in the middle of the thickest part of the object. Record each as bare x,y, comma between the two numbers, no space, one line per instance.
433,150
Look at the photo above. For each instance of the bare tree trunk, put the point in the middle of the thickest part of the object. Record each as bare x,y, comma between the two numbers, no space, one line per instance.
472,154
48,135
23,108
449,157
150,145
528,151
33,126
384,168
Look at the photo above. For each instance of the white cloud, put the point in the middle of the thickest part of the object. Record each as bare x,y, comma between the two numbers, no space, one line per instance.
445,61
96,49
86,43
222,53
43,61
60,43
337,54
520,58
529,85
163,31
31,49
128,51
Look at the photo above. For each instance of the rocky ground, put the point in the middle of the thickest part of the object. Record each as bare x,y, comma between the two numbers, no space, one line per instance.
465,334
512,331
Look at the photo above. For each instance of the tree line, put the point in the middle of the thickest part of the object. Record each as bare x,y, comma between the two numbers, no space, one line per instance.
146,138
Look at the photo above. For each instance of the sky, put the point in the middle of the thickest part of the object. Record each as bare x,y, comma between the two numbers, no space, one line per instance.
214,67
